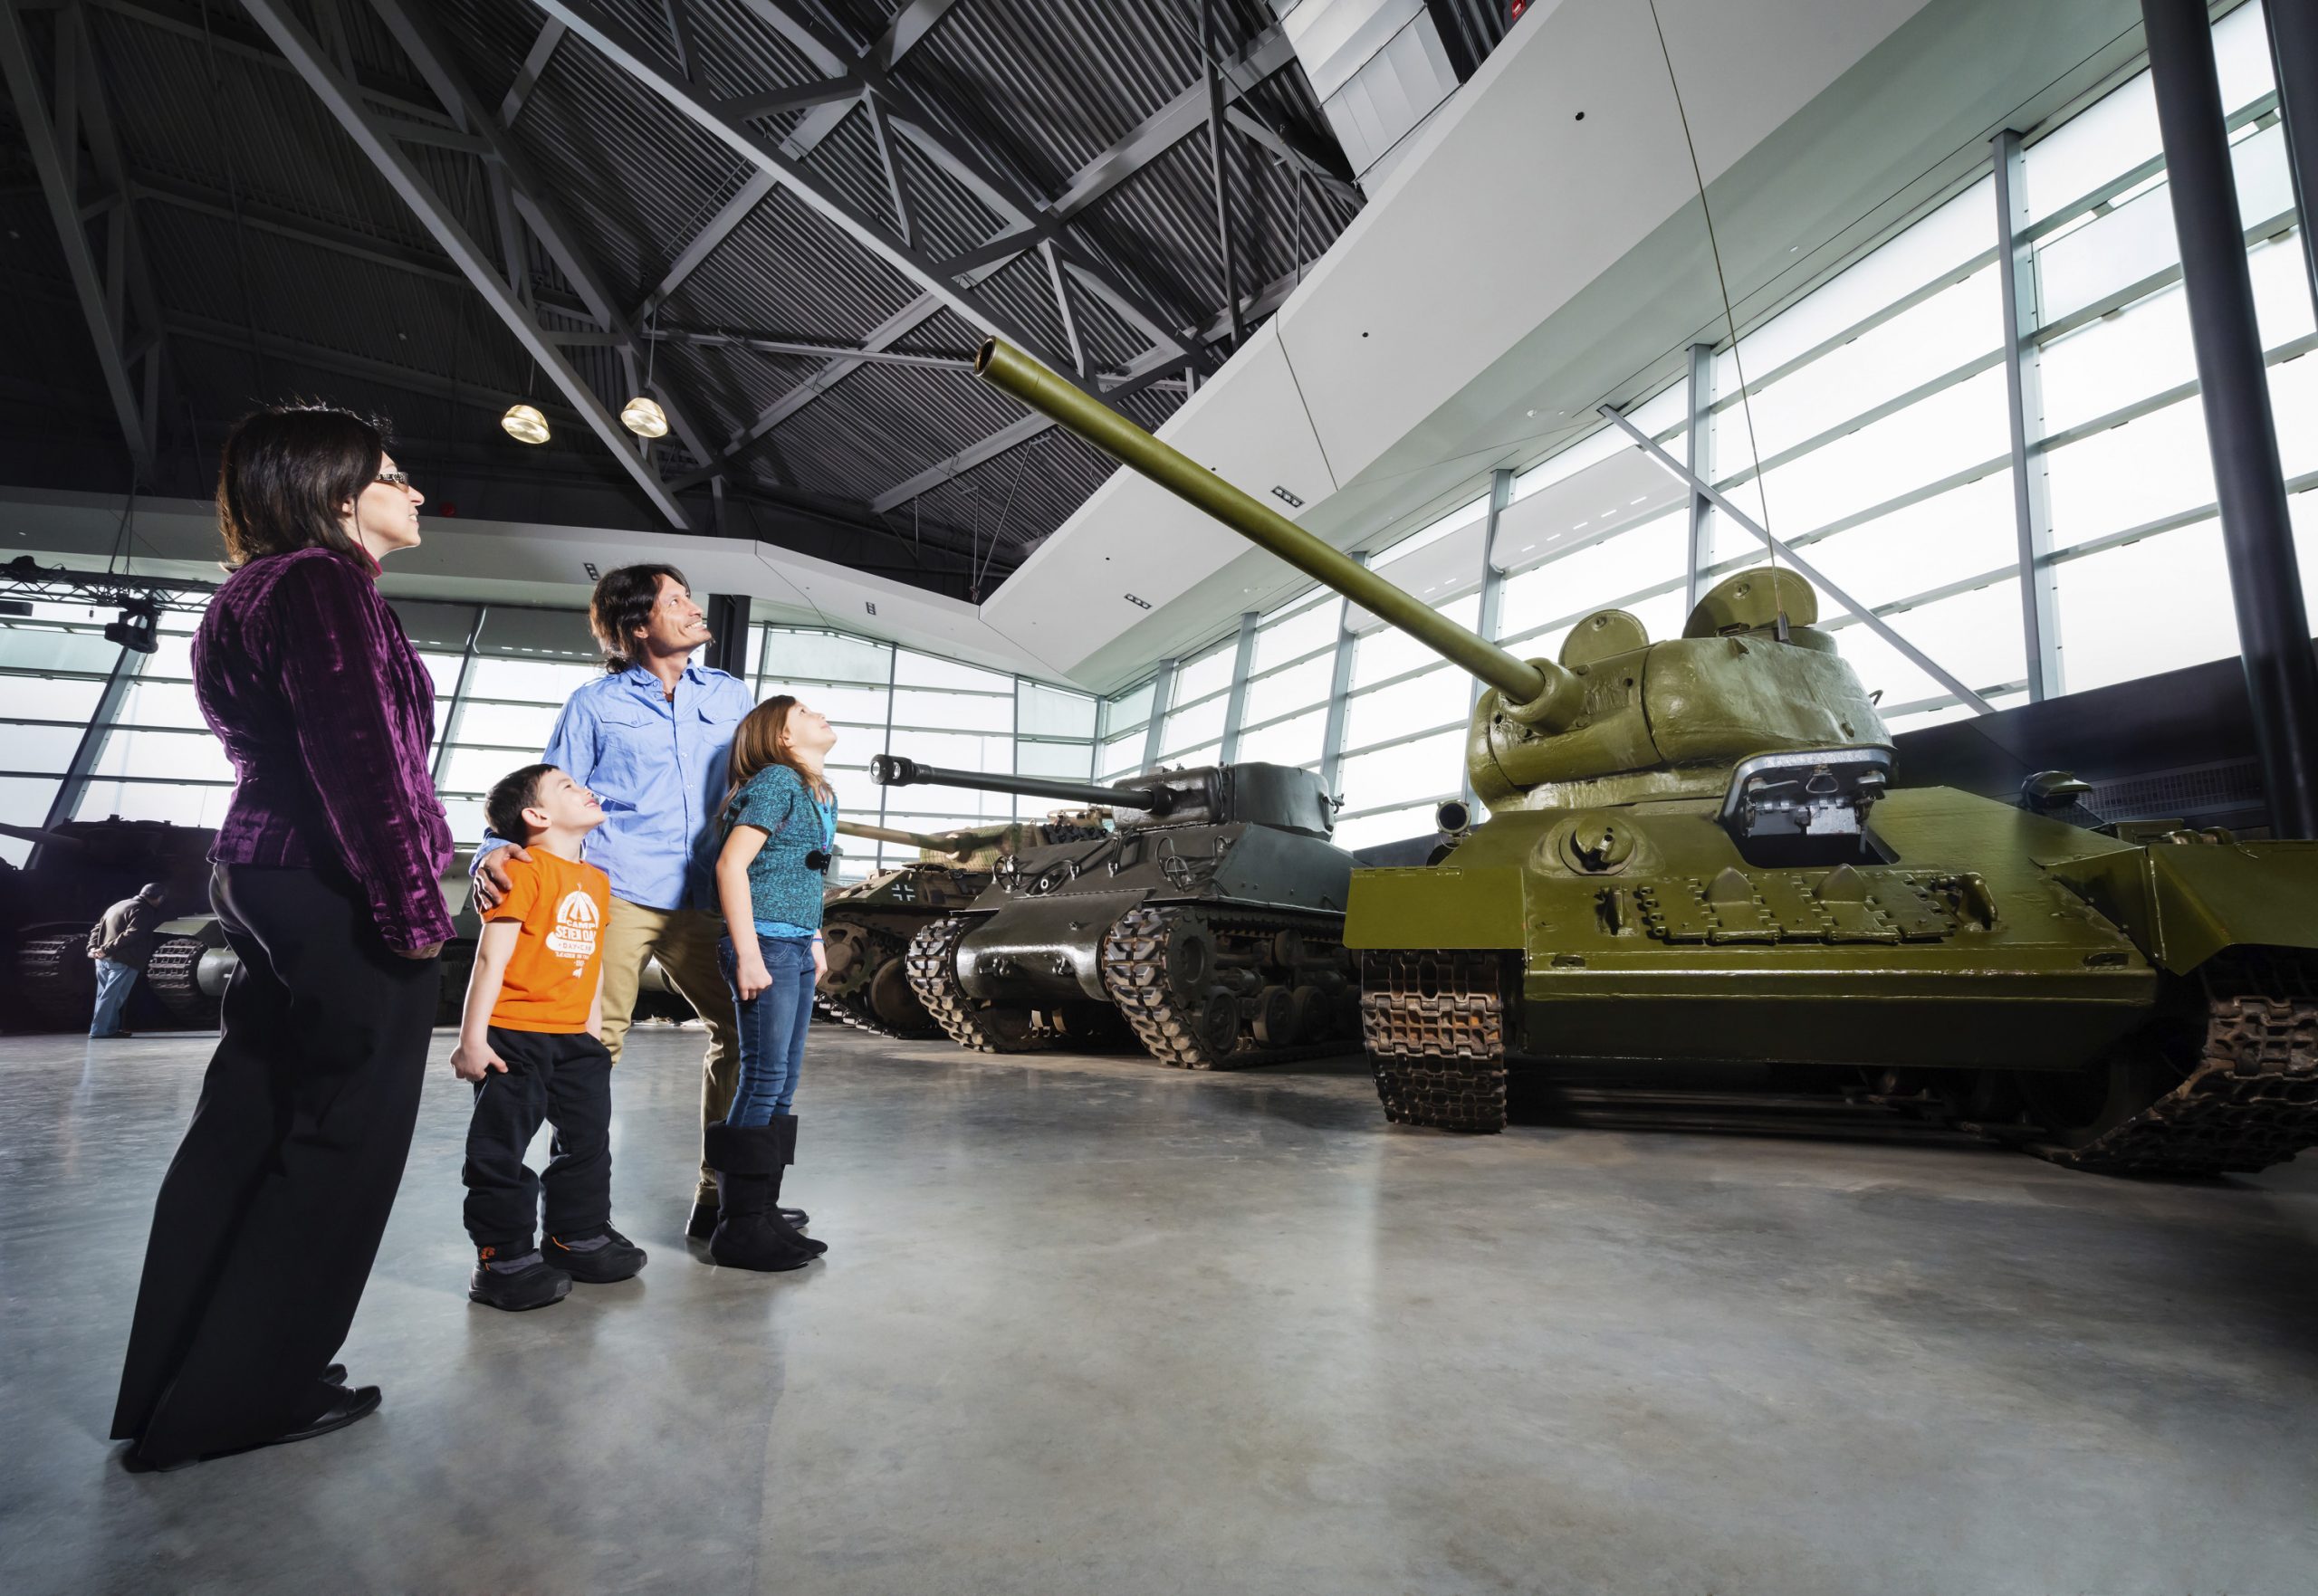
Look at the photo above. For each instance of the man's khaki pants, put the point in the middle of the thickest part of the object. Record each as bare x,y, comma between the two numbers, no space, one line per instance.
685,941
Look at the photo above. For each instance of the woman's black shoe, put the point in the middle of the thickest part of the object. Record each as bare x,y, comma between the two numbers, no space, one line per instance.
747,1162
345,1406
537,1287
618,1259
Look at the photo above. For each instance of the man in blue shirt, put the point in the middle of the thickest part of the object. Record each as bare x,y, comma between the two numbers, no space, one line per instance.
652,738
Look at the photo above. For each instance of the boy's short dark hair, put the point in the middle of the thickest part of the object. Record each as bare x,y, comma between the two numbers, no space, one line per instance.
622,603
516,792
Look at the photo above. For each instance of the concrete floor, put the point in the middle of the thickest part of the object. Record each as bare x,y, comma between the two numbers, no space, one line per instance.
1093,1325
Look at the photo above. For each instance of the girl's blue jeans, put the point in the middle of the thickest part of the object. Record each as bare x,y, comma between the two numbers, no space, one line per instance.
773,1026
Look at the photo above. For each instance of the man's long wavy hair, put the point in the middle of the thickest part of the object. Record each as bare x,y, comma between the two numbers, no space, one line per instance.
756,745
285,477
622,607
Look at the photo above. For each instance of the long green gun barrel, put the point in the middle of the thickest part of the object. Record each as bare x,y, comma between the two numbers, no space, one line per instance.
957,844
1532,691
893,770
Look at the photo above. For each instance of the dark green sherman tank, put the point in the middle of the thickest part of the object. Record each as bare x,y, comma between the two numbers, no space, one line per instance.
867,924
1209,926
1695,852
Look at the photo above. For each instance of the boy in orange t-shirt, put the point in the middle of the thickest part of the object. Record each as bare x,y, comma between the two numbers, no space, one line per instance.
530,1040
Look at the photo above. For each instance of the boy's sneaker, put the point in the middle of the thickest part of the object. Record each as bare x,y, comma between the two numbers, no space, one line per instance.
595,1260
538,1285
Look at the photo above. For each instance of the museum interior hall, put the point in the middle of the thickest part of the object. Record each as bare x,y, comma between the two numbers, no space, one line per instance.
1133,796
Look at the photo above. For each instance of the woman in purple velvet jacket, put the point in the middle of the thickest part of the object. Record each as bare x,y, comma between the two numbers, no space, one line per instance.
325,882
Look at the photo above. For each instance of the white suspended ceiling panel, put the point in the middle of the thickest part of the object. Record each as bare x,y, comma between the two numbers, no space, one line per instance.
1521,265
514,562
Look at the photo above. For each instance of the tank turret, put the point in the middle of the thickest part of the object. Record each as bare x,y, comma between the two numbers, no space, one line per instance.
1692,857
1280,796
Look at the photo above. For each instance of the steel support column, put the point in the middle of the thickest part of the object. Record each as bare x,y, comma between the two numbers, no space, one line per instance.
2024,391
1339,692
1501,494
1698,448
1235,707
728,628
1163,688
2272,629
459,693
2293,57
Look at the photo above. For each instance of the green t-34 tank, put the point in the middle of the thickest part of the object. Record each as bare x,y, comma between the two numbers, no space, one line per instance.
1695,852
867,924
1210,921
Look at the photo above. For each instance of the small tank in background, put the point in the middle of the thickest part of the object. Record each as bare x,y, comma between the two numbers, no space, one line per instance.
77,871
1208,926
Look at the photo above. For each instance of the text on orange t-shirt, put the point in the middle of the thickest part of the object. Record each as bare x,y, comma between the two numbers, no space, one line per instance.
551,981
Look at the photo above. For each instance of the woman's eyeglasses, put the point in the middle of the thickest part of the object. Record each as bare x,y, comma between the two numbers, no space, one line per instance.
394,479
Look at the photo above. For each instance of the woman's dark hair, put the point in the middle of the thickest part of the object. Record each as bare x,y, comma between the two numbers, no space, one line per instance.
285,474
516,792
622,608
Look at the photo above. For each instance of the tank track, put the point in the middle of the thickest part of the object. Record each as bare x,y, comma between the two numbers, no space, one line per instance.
1434,1022
934,976
173,972
841,1010
2250,1098
57,992
1135,975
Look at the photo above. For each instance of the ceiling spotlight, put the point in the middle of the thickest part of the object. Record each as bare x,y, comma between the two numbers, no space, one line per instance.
644,418
139,619
524,423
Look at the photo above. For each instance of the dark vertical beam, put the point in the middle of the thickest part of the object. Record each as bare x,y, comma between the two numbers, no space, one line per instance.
2273,630
459,693
1698,455
728,626
2032,511
2293,57
1216,168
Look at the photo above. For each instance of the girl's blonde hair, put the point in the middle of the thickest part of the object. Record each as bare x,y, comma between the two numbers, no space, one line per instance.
756,744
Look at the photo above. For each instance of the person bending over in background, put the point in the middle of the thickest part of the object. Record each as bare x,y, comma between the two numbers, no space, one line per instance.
531,1041
327,885
652,737
780,831
120,943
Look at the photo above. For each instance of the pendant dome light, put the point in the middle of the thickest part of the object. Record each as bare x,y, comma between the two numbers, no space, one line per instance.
642,415
524,423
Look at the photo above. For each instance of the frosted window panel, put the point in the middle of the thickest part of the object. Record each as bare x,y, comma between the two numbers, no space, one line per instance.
1286,692
1430,768
858,706
1953,430
1594,578
1422,703
1935,337
958,750
172,660
1051,712
467,820
1669,407
2118,359
1369,831
2241,54
857,795
478,770
1975,636
2282,303
1313,627
531,681
443,669
1392,653
1661,616
507,725
44,648
1191,759
45,748
2110,136
960,712
1129,709
1288,742
2155,467
180,756
925,670
1591,450
1210,672
23,801
976,807
51,698
1068,760
2109,627
1203,722
2293,408
1958,534
827,656
2304,509
1122,755
1942,242
178,803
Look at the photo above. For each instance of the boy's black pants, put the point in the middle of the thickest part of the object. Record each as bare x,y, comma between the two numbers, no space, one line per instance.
565,1081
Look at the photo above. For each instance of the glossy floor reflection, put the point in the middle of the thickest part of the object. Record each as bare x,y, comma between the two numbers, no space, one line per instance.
1092,1325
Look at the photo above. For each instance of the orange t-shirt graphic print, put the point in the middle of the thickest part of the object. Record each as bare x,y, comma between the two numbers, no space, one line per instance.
551,978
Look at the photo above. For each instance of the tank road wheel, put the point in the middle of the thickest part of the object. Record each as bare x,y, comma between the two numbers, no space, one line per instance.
58,980
174,972
1169,972
895,1004
986,1028
2234,1087
1155,962
1275,1021
1435,1027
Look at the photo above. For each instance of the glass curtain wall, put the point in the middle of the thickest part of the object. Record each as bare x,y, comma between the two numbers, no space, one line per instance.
1876,407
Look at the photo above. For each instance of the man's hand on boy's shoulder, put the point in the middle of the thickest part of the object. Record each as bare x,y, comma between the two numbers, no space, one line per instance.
492,881
470,1064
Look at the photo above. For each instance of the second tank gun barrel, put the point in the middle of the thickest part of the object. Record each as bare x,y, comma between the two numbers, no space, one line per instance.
1522,682
894,770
